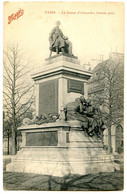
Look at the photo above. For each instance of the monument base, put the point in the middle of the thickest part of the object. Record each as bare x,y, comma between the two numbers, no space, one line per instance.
75,153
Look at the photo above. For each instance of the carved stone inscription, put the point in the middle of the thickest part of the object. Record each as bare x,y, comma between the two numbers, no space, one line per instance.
75,86
46,138
48,97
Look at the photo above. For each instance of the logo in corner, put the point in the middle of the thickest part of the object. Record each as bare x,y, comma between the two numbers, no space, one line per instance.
15,16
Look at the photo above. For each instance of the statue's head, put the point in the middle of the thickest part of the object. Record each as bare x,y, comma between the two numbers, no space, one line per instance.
58,23
82,99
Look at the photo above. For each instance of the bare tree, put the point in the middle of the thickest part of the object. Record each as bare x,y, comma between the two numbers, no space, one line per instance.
6,130
110,78
18,92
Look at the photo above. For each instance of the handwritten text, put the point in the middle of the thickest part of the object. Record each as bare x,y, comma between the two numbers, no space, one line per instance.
15,16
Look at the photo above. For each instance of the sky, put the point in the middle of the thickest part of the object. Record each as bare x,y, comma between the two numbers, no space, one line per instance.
93,28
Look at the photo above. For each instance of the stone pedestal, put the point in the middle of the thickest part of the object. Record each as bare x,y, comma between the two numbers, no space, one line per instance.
61,80
69,151
50,134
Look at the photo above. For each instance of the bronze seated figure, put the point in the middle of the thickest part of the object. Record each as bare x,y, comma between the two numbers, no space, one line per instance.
59,42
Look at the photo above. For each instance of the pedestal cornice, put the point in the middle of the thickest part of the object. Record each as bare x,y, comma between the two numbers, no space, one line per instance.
64,65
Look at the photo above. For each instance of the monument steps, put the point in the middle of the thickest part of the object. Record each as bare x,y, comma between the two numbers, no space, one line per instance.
61,168
61,161
68,155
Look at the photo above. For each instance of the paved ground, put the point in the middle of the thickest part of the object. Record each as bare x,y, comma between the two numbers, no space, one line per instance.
92,182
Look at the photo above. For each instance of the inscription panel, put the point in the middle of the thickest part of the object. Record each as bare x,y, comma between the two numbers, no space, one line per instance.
75,86
46,138
48,97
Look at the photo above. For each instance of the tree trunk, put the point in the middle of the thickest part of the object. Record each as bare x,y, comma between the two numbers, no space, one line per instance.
14,128
109,140
110,121
14,140
8,145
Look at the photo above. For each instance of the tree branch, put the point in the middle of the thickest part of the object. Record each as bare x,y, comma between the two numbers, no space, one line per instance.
23,94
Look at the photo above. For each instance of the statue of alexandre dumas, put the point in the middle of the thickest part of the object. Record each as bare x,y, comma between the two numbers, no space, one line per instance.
59,42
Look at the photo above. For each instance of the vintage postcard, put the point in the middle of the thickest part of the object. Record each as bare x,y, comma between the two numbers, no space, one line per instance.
63,96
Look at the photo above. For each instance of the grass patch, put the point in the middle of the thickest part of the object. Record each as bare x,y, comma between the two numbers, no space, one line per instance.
91,182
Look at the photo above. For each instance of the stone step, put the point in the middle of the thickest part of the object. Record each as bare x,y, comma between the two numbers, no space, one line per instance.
70,154
60,168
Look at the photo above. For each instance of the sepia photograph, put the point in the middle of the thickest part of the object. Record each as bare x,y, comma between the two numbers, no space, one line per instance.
63,96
